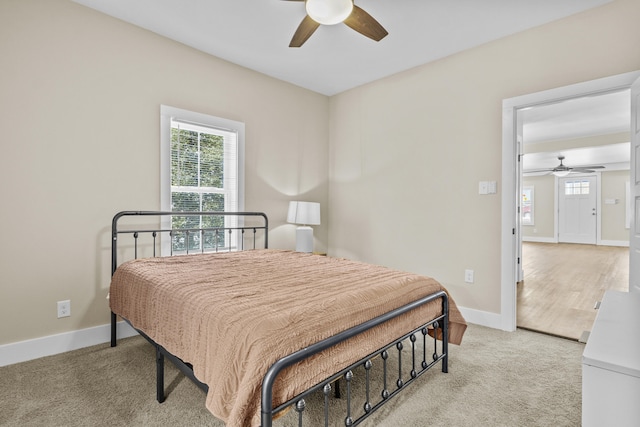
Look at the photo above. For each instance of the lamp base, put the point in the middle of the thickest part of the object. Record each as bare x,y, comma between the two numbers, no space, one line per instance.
304,239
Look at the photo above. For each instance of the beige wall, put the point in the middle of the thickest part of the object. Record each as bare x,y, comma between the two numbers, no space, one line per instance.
80,97
543,205
407,152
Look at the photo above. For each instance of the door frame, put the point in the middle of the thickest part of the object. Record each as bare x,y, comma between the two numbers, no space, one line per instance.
510,236
634,190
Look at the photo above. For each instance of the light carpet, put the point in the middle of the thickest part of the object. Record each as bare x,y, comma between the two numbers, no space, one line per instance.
495,378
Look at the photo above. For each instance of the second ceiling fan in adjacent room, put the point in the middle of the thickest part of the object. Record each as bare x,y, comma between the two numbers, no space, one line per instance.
563,170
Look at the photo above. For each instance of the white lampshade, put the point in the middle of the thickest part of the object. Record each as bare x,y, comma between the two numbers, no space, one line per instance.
306,213
329,12
561,173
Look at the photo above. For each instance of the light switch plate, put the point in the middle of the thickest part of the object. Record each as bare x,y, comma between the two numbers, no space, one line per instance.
483,187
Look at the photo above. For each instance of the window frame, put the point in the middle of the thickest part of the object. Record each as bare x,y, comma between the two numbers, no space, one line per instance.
167,114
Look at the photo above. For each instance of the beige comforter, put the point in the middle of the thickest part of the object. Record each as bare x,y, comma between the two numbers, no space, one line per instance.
232,315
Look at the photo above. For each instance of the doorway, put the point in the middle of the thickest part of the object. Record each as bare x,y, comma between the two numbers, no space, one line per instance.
511,174
572,147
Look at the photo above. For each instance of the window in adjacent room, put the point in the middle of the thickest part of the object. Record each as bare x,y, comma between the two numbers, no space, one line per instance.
576,188
527,205
202,164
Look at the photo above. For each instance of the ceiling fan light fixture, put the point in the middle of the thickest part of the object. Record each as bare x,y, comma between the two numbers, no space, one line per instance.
561,173
329,12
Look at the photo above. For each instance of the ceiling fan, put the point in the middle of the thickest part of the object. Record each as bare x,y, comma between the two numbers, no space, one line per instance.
563,170
331,12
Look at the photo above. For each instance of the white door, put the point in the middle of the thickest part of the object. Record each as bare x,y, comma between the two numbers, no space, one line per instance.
634,241
577,210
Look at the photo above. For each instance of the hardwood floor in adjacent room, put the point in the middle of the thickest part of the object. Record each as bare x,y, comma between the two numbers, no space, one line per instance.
563,281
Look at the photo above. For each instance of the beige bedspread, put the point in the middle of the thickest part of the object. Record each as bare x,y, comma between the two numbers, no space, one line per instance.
232,315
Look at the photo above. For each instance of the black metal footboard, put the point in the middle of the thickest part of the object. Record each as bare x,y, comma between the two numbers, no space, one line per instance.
420,363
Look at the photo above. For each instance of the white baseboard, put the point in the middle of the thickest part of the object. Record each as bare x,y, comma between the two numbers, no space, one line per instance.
482,318
60,343
622,243
539,239
68,341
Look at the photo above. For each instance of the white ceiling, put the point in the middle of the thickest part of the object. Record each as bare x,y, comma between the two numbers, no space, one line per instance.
256,33
603,114
578,118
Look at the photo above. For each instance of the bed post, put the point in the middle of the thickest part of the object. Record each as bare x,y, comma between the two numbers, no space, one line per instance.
114,264
113,329
159,374
445,333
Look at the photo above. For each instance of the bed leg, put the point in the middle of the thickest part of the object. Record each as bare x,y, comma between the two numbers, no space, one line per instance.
159,375
445,345
113,329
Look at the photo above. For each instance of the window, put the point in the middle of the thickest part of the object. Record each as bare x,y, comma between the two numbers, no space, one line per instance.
527,205
575,188
201,170
627,204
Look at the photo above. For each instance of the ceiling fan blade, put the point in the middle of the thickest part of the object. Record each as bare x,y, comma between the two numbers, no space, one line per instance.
306,28
538,170
536,173
585,169
365,24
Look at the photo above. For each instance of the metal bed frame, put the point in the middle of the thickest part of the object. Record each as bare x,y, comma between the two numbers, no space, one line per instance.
421,359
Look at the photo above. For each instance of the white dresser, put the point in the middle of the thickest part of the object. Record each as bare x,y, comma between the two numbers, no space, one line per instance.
611,364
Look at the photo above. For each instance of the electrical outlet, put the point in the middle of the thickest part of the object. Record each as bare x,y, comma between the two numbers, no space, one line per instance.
64,308
468,276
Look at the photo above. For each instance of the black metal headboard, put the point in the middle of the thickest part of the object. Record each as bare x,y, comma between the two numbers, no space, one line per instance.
191,232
